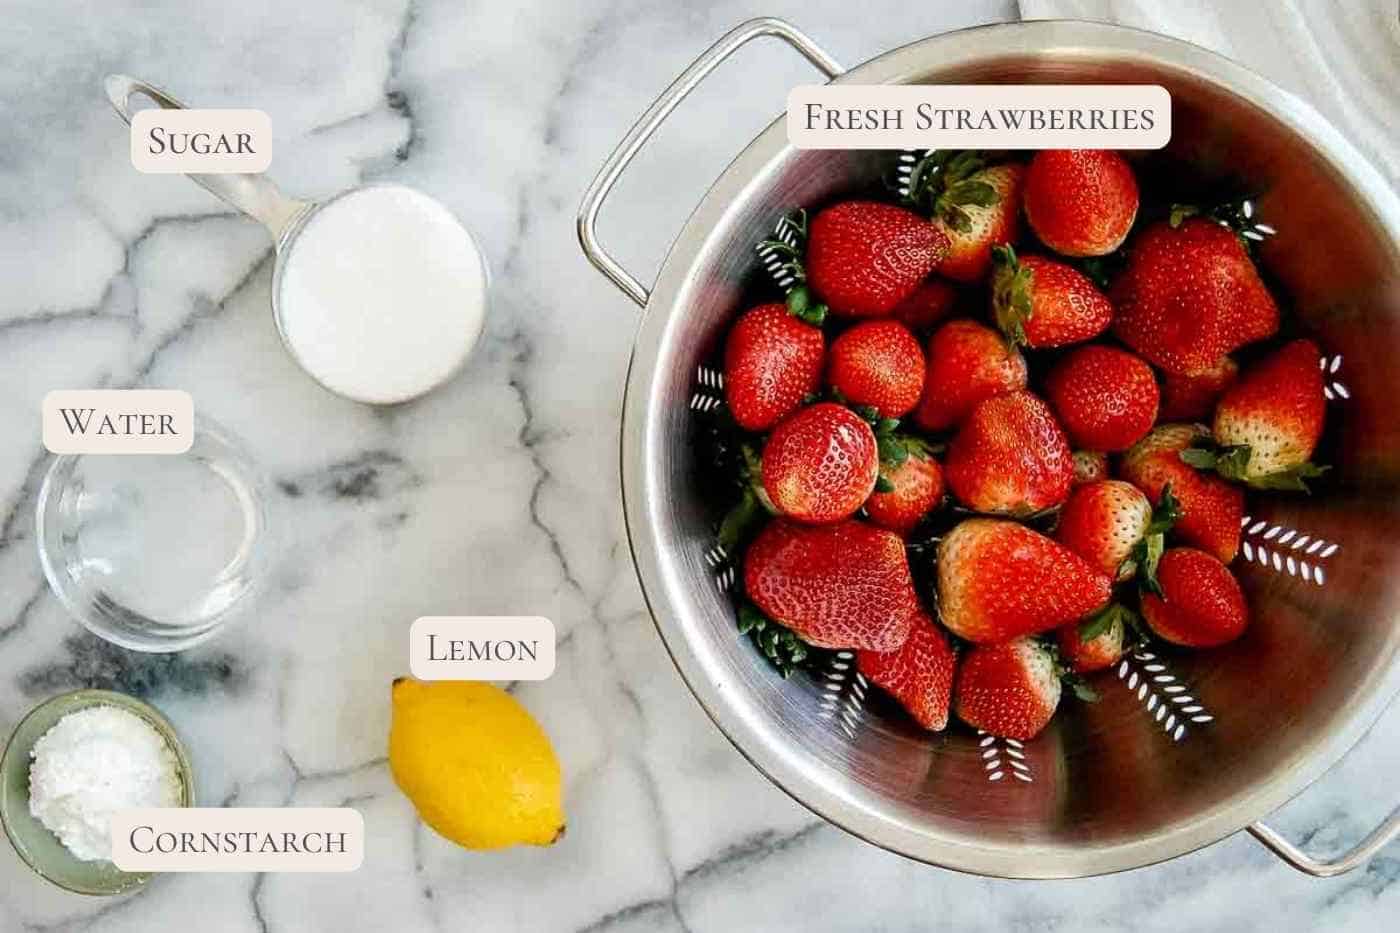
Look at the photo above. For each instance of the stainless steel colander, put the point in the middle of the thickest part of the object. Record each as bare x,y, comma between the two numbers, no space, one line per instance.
1183,749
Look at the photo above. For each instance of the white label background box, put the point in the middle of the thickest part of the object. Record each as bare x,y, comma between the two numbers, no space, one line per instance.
479,631
273,821
174,403
254,126
978,98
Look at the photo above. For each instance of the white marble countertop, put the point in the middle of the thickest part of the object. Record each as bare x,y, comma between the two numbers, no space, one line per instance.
499,494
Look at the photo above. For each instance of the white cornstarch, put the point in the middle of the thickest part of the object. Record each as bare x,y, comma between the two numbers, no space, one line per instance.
92,764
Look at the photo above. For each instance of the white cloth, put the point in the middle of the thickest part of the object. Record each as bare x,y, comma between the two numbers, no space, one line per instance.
1342,56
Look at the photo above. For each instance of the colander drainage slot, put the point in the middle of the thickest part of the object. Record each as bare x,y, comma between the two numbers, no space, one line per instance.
1161,694
904,170
1001,757
709,391
721,566
1286,550
843,692
1332,388
786,231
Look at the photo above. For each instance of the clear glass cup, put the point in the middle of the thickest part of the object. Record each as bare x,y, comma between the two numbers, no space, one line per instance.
155,552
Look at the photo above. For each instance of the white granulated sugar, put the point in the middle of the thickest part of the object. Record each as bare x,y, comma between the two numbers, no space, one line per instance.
93,764
381,294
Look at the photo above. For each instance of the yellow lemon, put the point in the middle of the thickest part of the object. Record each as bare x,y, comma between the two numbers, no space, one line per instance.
475,764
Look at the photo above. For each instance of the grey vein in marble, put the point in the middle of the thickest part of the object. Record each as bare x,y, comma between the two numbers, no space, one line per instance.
499,493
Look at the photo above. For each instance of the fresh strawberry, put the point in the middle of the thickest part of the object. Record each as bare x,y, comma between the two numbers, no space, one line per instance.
821,464
1106,398
1090,466
919,675
1269,422
864,257
917,488
1193,398
1103,522
1201,605
930,304
1010,456
772,361
1096,643
998,580
880,364
1010,689
1211,508
1189,295
1081,202
976,205
973,227
845,585
1038,302
966,363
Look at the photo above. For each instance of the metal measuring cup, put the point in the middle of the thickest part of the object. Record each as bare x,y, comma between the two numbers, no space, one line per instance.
285,218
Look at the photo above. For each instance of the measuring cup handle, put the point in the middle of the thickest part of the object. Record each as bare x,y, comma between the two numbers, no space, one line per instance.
253,194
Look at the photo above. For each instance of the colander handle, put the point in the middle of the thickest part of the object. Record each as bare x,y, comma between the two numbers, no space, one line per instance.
1378,839
656,114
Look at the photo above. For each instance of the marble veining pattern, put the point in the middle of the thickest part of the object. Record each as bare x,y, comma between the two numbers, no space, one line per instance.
499,493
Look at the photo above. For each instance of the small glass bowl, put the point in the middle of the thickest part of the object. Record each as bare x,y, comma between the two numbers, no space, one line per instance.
155,552
37,846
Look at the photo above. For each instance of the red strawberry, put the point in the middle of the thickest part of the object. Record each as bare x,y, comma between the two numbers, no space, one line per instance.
973,229
919,675
837,586
1089,466
966,363
1106,398
927,307
1193,398
1010,456
880,364
1103,522
1104,649
1211,508
821,464
918,489
1276,410
864,258
772,361
1202,605
1038,302
1189,295
1009,689
998,580
1081,202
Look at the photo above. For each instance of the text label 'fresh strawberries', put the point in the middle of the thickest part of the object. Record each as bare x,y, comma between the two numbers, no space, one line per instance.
963,116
